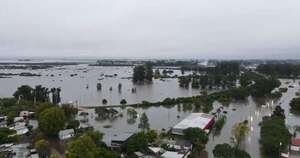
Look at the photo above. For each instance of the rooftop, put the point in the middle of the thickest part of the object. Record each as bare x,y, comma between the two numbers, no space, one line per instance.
199,120
170,154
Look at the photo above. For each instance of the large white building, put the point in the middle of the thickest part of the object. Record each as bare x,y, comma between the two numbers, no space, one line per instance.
194,120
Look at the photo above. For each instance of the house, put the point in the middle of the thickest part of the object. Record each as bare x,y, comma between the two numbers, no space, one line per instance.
141,155
172,154
116,140
20,129
194,120
66,134
18,119
26,114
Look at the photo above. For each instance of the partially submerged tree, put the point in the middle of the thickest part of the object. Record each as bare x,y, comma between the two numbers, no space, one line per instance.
144,122
239,133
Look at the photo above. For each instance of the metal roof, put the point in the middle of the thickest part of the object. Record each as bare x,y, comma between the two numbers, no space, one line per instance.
199,120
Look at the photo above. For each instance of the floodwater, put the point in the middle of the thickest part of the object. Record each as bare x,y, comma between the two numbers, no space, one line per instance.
164,118
75,89
82,88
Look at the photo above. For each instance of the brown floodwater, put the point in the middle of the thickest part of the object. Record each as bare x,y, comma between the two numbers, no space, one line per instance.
74,89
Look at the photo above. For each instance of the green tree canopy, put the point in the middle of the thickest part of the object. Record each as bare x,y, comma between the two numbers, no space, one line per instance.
81,147
25,92
144,122
226,151
240,132
295,104
198,138
52,120
274,136
42,147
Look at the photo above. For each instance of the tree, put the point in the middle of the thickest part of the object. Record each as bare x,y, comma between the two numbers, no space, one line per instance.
120,87
132,113
223,151
144,122
88,146
24,92
70,111
137,142
74,124
99,86
274,136
42,147
226,151
54,156
151,135
41,94
123,102
56,95
295,104
198,138
239,132
104,101
82,147
278,112
5,135
51,121
95,135
138,73
148,72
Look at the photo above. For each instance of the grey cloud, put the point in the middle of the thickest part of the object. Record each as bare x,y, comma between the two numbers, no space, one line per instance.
151,28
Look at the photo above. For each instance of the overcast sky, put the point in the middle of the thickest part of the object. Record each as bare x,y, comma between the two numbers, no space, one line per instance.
151,28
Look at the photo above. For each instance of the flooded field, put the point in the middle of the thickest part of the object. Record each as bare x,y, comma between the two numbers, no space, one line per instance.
82,87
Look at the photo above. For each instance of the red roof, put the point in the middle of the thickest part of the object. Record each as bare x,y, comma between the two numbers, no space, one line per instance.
296,141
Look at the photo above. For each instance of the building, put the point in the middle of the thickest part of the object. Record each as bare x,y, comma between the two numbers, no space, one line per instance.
295,145
194,120
66,134
172,154
116,140
26,114
20,129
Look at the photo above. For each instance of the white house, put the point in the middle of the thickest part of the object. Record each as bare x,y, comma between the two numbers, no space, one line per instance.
66,134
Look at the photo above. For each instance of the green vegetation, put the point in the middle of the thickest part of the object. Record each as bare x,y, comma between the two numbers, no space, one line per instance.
139,142
87,146
239,133
226,151
144,122
37,94
295,105
51,121
123,102
198,138
143,73
219,124
280,70
275,136
6,135
104,101
42,148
